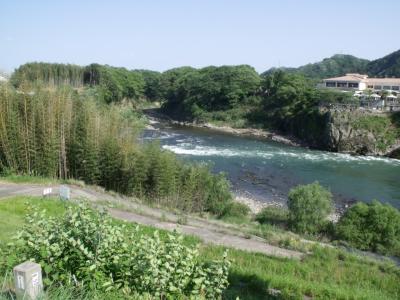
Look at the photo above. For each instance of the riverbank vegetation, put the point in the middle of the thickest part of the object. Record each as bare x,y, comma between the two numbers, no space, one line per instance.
309,206
366,226
325,273
64,134
374,227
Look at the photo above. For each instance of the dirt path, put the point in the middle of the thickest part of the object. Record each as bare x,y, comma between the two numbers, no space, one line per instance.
123,208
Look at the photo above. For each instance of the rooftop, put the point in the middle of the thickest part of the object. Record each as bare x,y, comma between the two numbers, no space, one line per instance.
364,78
382,81
349,77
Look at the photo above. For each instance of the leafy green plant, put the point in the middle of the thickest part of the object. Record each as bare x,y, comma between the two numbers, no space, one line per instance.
373,226
309,205
86,248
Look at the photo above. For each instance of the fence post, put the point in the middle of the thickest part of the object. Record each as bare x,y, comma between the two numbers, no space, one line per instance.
28,280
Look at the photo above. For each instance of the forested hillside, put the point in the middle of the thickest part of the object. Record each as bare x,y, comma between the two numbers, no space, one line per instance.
387,66
336,65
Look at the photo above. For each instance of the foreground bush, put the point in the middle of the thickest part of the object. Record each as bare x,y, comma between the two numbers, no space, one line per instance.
88,249
309,205
373,226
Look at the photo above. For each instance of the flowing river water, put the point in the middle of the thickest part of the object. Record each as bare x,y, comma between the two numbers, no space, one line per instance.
266,170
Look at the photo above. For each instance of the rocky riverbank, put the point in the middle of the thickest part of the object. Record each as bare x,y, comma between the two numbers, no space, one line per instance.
155,115
352,132
250,132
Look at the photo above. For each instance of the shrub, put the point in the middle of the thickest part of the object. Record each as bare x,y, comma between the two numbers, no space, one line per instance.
309,205
87,248
273,215
373,226
236,210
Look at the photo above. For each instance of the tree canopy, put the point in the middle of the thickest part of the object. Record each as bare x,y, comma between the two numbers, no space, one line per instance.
209,89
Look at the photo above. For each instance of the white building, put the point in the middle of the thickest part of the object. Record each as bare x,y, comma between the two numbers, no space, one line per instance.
359,82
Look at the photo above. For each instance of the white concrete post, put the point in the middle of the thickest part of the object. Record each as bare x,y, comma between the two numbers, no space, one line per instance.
65,193
28,280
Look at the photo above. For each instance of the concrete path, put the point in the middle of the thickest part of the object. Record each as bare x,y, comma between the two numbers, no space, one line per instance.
123,208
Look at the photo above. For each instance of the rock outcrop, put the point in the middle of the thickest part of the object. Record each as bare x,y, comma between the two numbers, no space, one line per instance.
361,132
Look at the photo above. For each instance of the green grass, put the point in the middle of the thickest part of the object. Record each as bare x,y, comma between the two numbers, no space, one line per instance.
325,274
13,178
13,211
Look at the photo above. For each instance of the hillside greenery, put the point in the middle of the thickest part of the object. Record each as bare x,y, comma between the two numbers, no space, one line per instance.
334,66
195,92
115,84
340,64
387,66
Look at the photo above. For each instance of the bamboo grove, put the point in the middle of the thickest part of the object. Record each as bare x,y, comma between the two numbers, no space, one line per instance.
113,84
63,133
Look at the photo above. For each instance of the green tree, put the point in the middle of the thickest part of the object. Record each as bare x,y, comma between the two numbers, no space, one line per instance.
309,205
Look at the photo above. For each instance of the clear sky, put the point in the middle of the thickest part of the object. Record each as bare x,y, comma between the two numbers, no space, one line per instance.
160,35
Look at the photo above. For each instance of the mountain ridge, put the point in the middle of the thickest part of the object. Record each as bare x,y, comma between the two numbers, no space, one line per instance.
340,64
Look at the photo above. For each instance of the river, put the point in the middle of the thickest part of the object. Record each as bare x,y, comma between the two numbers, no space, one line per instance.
266,170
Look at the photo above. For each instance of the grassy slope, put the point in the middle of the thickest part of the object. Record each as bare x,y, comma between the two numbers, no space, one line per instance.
327,274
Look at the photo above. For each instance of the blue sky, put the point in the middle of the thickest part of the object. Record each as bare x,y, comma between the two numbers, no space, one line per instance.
160,35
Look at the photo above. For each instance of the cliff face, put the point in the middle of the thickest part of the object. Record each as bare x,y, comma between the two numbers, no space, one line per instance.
360,132
349,131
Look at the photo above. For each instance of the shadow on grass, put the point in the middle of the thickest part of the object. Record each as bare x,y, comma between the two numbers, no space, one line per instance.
276,216
249,287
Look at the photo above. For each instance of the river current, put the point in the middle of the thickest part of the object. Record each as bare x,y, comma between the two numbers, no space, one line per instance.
266,170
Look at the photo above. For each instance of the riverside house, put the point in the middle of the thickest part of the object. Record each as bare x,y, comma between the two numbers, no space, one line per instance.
377,93
359,82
